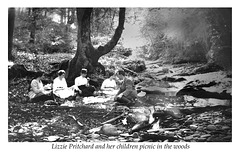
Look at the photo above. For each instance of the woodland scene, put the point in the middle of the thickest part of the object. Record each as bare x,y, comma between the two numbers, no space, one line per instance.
130,74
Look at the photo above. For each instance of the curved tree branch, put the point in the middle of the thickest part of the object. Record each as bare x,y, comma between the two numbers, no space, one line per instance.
118,32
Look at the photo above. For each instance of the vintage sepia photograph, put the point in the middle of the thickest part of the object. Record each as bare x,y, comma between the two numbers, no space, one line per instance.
130,75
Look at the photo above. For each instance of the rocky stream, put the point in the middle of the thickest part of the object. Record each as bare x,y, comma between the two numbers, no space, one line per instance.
176,103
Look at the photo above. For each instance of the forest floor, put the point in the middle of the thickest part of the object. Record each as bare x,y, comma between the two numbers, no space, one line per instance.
182,118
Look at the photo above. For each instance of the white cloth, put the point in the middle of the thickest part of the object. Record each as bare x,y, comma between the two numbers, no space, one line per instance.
60,88
89,100
110,92
79,81
109,84
59,84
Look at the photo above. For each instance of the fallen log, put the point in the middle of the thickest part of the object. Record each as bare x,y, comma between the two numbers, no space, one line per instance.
115,118
19,71
109,112
129,71
74,118
163,129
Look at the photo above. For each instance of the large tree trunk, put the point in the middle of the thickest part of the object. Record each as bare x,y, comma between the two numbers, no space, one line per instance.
87,56
11,18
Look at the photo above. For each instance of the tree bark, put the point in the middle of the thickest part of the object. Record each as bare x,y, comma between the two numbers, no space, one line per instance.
87,56
11,18
70,18
61,15
33,25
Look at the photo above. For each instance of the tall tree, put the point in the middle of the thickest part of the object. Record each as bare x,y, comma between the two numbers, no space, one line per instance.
11,18
70,18
33,25
220,40
87,56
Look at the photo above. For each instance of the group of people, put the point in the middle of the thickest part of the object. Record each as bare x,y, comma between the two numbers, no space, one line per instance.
117,85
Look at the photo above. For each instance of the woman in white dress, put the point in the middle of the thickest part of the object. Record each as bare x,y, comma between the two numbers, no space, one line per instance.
60,87
109,85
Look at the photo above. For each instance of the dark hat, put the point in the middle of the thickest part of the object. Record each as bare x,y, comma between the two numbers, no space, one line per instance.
121,72
110,73
84,71
60,72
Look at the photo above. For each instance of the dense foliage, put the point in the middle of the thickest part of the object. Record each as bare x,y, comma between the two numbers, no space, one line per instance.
49,36
54,29
188,34
188,102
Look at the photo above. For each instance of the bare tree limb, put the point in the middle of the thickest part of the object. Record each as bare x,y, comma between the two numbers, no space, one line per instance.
118,32
115,118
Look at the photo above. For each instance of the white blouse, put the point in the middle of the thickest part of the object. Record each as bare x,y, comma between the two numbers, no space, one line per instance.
59,84
79,81
61,89
108,84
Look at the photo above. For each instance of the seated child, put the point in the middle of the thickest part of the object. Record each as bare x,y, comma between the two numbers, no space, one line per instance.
60,88
127,93
82,85
38,92
109,86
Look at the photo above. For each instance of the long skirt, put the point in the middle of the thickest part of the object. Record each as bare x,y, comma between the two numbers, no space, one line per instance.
87,91
42,98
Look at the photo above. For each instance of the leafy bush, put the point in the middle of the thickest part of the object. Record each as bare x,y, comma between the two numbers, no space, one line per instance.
50,36
100,40
37,62
188,35
55,39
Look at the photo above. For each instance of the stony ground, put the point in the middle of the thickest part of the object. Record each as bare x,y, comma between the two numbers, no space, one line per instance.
185,123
